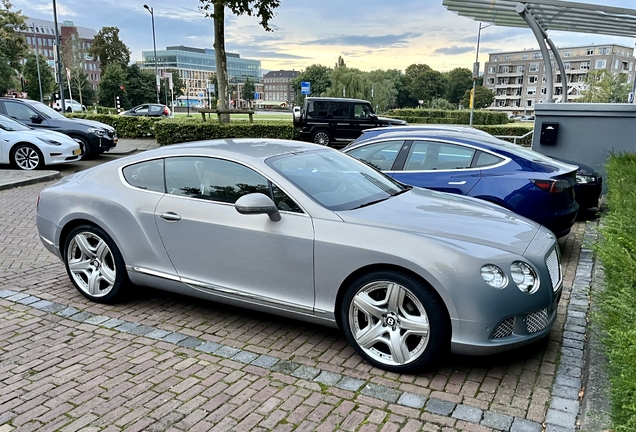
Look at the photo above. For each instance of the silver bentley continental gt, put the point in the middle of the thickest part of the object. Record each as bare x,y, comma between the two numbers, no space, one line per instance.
304,231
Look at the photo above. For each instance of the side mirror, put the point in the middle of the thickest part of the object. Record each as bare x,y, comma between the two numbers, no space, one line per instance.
257,203
36,119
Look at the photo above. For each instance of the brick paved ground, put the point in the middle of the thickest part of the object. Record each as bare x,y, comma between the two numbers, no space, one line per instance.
59,373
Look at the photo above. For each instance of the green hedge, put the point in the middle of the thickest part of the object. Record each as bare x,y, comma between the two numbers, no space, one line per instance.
126,126
617,309
481,117
173,131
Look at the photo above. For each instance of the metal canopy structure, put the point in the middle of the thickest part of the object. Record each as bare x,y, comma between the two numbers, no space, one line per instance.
549,15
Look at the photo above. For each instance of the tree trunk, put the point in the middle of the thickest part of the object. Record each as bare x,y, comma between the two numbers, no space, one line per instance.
221,59
79,87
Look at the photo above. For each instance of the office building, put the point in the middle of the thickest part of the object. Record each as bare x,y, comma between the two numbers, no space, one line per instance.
197,66
518,78
277,88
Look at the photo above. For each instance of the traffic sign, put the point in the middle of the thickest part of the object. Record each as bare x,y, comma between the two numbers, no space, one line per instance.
201,94
256,95
305,88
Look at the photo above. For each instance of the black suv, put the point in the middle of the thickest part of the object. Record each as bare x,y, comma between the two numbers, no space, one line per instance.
324,120
93,137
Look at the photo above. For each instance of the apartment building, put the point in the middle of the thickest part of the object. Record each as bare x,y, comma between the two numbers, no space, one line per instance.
75,41
278,89
518,78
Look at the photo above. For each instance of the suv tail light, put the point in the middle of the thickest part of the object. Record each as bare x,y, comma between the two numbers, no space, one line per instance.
552,186
166,110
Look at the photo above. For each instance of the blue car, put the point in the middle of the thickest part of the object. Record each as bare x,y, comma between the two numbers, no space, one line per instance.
457,160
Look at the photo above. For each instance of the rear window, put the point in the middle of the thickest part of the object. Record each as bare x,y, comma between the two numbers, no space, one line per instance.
146,175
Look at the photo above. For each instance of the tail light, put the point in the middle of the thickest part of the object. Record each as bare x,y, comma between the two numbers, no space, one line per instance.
166,110
552,186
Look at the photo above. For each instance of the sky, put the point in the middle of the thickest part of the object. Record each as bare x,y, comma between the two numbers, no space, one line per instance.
368,34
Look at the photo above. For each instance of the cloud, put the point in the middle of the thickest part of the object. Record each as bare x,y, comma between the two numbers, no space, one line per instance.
454,50
403,39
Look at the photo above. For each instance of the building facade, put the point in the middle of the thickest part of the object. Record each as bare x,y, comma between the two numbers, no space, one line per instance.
518,78
197,67
75,43
278,90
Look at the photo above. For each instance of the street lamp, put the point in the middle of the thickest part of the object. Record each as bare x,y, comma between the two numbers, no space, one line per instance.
154,43
476,73
58,63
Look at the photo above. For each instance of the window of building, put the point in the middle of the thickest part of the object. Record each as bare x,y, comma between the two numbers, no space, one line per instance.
544,79
532,90
600,64
495,58
530,102
585,65
490,81
503,69
590,51
631,66
537,56
566,65
534,67
524,57
567,54
544,91
521,69
604,50
533,79
491,69
506,58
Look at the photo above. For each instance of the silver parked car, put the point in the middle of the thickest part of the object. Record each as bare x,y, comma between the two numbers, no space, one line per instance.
304,231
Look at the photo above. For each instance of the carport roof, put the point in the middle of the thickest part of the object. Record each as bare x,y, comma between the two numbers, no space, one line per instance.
550,15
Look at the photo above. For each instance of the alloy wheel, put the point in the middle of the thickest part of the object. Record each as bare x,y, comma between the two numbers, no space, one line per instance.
91,264
389,323
321,138
27,158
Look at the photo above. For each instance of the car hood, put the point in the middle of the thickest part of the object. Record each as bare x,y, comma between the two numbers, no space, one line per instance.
94,124
46,134
439,214
392,121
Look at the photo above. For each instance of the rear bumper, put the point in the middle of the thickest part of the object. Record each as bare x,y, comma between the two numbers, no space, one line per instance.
560,223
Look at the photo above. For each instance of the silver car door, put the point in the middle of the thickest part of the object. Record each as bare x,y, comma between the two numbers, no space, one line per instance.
217,249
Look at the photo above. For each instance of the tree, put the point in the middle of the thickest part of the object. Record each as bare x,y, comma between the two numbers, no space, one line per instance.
81,86
13,46
7,75
340,63
426,85
30,72
483,98
215,9
113,78
140,86
109,48
74,57
320,78
349,82
604,87
248,91
457,82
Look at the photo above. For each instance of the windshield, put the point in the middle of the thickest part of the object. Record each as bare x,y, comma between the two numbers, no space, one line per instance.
11,125
49,112
335,180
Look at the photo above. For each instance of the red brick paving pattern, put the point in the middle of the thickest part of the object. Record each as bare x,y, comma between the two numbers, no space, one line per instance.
45,355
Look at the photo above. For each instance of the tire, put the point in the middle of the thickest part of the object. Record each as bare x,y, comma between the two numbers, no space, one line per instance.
87,150
321,137
69,110
377,330
26,157
94,264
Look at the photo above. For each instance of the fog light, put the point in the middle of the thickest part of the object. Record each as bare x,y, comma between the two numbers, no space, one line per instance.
524,276
494,276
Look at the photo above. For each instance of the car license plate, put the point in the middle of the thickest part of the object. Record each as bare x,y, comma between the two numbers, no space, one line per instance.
77,151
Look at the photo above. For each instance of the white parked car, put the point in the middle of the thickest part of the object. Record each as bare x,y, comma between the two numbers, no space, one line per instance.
71,105
30,149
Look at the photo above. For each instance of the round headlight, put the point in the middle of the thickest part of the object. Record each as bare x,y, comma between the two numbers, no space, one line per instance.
524,276
494,276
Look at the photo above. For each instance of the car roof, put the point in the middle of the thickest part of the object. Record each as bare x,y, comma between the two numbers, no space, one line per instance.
333,99
244,148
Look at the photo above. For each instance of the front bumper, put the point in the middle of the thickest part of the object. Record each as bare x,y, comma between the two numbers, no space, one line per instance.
105,142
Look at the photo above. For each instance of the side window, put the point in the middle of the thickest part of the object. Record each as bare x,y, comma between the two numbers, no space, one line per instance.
142,109
483,160
146,175
318,109
283,201
19,111
339,110
361,111
155,108
438,156
380,155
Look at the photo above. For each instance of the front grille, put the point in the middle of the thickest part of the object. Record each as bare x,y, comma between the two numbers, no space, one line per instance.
554,268
504,329
537,321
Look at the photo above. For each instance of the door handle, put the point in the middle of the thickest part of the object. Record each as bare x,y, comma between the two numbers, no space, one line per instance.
457,183
170,216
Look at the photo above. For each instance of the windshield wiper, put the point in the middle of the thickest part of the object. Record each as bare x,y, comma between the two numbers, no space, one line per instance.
370,203
406,189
